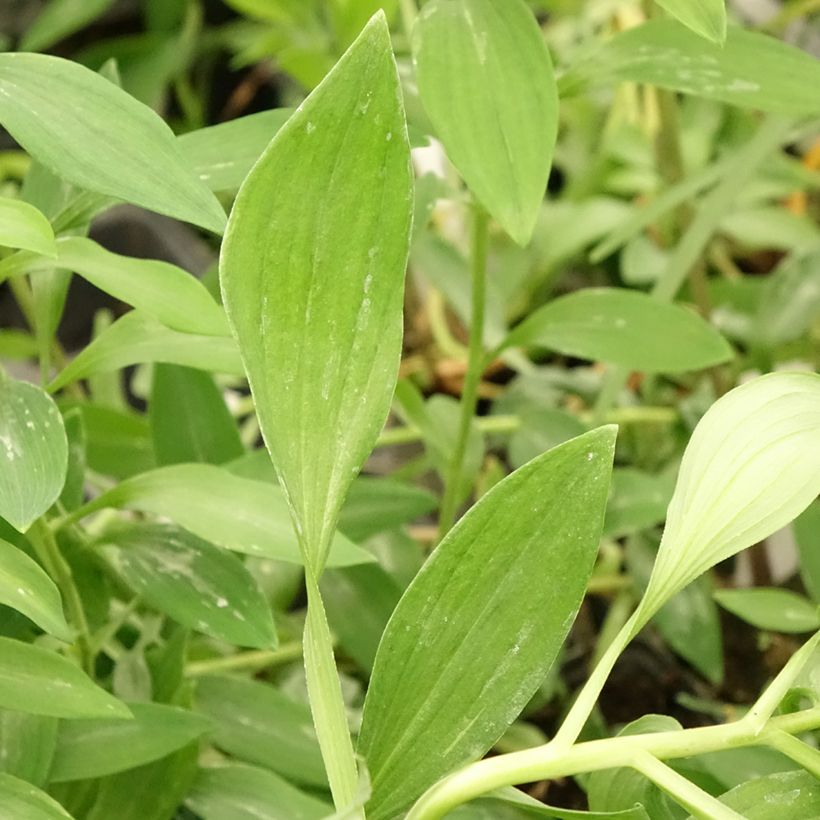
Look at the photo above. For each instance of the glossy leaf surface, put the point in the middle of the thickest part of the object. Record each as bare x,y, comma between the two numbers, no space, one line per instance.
23,226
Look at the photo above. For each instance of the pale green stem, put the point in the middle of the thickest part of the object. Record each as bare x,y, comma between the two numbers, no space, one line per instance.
698,802
246,661
801,753
475,367
550,762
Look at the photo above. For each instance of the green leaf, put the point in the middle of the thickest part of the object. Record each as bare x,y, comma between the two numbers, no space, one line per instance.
59,19
95,748
222,155
623,327
705,17
137,338
541,429
638,501
795,795
319,317
27,744
189,419
807,536
486,81
25,587
512,804
192,581
479,627
258,724
34,452
22,801
36,680
23,226
749,70
778,610
750,467
238,792
239,514
158,289
73,491
111,144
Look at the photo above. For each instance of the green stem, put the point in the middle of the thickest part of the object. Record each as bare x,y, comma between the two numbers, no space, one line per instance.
246,661
48,551
550,762
801,753
475,367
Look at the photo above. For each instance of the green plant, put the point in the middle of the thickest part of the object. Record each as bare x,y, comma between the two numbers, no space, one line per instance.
152,638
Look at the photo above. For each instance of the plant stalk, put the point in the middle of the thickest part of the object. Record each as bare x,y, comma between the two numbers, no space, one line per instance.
246,661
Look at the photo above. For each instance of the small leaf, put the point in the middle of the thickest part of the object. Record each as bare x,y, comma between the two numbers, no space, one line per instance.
750,467
238,792
36,680
95,748
189,419
795,795
22,801
319,317
23,226
705,17
778,610
25,587
478,629
111,144
623,327
33,452
158,289
192,581
59,19
807,535
486,81
638,501
138,339
239,514
255,722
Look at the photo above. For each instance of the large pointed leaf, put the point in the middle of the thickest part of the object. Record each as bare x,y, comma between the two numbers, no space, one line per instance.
36,680
312,275
23,226
240,514
33,452
110,143
704,17
486,81
480,626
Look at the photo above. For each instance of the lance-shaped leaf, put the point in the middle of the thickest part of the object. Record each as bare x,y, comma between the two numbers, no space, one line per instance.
33,452
22,801
486,81
705,17
312,273
23,226
751,466
111,144
478,629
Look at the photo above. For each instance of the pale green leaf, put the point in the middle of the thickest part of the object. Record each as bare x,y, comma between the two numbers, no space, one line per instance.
26,587
137,338
95,748
807,535
23,226
59,19
705,17
22,801
778,610
750,69
750,467
240,792
258,724
158,289
486,81
39,681
318,317
239,514
111,144
27,744
623,327
192,581
33,452
478,629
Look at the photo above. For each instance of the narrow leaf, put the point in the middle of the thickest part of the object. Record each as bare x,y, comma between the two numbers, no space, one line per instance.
623,327
705,17
23,226
95,748
486,81
478,629
778,610
22,801
36,680
59,19
318,314
33,452
25,587
110,144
